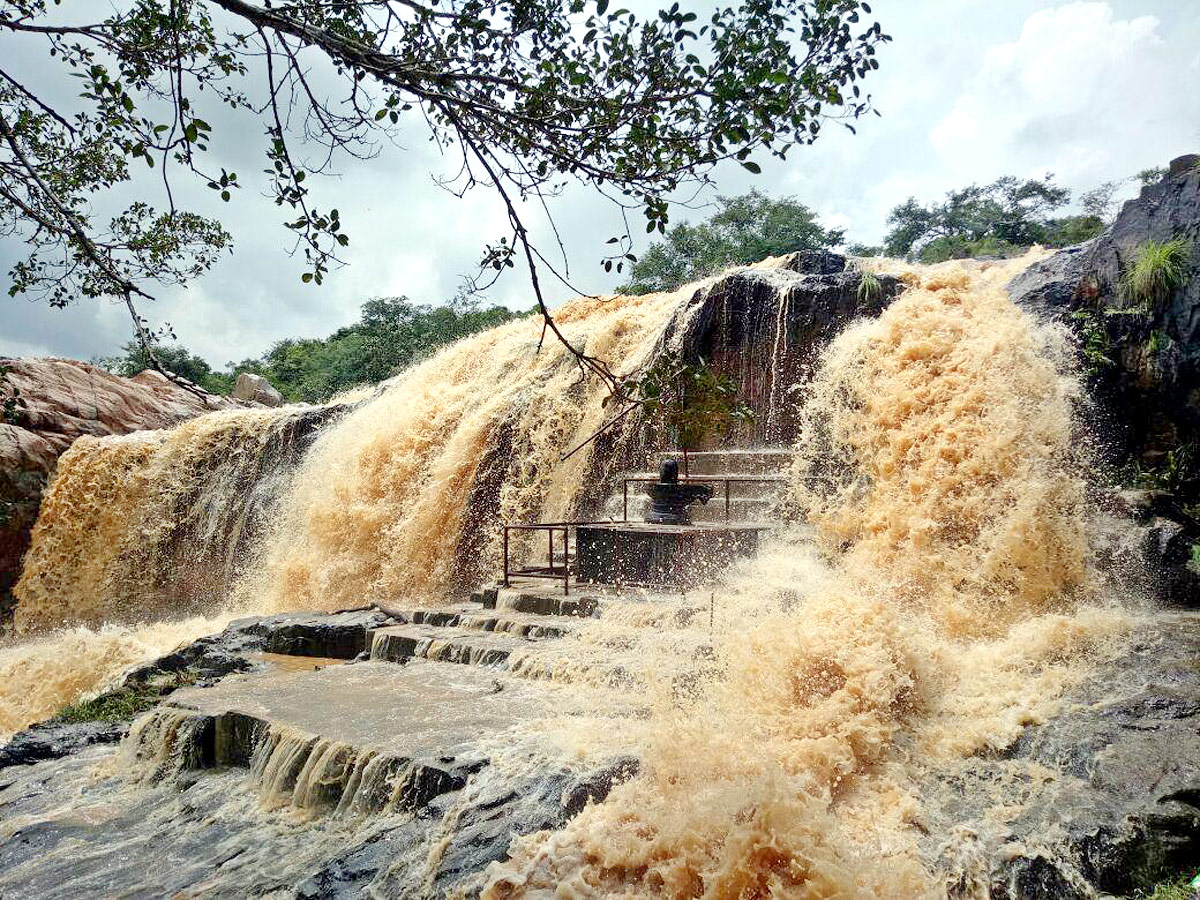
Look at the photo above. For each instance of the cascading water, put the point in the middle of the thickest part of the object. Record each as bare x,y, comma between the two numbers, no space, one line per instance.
947,601
240,512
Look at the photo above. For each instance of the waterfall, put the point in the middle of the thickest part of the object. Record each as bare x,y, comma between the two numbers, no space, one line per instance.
934,593
947,602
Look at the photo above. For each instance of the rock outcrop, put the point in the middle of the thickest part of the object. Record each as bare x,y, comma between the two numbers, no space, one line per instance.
1105,795
767,326
1143,362
65,399
1144,356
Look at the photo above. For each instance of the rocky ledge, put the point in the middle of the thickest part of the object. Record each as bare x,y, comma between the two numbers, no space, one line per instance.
1103,798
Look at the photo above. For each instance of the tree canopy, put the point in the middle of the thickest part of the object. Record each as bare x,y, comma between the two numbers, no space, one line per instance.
744,230
525,97
986,220
391,335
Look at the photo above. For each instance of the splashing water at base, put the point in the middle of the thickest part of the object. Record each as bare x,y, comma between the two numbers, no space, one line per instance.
947,603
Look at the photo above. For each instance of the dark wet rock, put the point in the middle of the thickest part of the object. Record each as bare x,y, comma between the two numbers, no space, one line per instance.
203,663
1036,878
766,328
1149,391
341,635
52,741
814,262
1106,793
477,827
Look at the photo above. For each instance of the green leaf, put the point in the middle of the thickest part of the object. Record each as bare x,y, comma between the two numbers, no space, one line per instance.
751,166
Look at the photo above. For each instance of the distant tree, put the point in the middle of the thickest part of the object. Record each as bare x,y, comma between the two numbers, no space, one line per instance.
391,335
1100,201
744,230
1006,213
864,249
524,97
1071,230
174,358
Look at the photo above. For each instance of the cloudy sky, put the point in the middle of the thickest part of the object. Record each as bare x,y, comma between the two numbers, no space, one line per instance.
969,90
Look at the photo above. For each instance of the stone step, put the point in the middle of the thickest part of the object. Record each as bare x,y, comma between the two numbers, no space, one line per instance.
471,616
341,635
399,643
547,604
354,740
766,461
773,486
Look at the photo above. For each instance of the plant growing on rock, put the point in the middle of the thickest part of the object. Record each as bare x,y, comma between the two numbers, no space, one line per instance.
869,286
689,402
1158,269
10,398
1094,345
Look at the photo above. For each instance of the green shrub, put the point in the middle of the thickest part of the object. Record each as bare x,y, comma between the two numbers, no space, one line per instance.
869,286
1181,888
1157,343
1157,271
1094,344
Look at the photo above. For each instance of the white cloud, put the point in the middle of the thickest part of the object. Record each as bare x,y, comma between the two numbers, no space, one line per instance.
1080,92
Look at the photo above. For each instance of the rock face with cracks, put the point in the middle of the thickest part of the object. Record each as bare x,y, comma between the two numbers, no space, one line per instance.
1108,795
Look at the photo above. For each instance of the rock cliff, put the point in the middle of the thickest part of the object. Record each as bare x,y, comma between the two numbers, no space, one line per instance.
1144,356
65,399
1143,361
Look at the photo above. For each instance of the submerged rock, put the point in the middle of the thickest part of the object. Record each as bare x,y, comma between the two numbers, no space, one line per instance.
53,741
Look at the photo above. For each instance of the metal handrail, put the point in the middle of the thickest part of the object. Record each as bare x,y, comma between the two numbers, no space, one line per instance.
551,571
727,480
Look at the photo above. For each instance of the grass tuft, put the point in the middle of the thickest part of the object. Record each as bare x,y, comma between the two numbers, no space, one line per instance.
1159,268
869,286
123,703
1180,888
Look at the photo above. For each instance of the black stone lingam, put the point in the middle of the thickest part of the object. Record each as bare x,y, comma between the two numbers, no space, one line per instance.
669,500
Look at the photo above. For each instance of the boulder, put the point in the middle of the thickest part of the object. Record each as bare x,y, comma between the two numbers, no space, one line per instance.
65,399
256,389
54,741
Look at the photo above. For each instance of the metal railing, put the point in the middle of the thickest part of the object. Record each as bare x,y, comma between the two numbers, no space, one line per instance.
563,573
726,480
549,570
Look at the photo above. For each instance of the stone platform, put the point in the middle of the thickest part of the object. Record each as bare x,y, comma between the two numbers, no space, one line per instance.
668,555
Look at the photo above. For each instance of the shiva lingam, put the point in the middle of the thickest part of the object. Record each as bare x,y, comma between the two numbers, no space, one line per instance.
669,500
